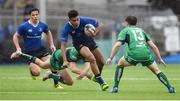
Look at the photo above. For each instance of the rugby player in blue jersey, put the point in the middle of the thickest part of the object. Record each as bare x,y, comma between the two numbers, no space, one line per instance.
31,31
83,43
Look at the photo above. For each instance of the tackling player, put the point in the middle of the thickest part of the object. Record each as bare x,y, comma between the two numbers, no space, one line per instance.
55,64
139,52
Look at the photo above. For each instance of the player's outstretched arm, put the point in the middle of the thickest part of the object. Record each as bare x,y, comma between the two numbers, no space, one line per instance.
156,51
115,49
85,72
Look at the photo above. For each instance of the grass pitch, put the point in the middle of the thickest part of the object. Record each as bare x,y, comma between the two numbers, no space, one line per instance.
138,83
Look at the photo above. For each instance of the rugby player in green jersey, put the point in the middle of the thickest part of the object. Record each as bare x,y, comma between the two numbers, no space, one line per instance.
139,44
55,64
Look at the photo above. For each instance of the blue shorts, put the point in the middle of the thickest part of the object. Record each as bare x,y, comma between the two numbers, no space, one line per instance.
91,45
39,53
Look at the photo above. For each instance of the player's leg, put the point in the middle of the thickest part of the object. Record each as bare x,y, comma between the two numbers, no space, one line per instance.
118,73
32,59
65,77
85,52
99,58
56,85
62,77
161,76
34,70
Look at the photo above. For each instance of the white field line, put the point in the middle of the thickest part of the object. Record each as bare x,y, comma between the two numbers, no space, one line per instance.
131,79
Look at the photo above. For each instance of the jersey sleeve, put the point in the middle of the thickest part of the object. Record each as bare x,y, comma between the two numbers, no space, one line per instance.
64,33
147,37
46,28
20,30
122,36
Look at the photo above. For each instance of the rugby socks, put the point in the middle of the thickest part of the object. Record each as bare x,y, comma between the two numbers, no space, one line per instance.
118,75
28,57
55,81
164,79
99,79
56,77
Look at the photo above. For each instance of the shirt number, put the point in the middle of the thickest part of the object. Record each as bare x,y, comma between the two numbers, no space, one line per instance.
138,35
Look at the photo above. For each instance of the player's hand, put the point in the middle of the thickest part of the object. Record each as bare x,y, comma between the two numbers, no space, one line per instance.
53,48
92,32
65,64
108,61
162,62
81,76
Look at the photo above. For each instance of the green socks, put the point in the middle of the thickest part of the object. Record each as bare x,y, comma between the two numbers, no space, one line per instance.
118,75
163,79
56,77
28,57
55,81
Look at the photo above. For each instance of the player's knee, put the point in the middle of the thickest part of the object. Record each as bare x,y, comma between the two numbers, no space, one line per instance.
91,59
157,71
35,73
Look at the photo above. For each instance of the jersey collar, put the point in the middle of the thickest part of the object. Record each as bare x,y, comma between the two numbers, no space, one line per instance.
72,25
34,25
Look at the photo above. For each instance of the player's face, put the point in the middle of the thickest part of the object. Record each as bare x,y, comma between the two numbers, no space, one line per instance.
75,21
125,24
34,16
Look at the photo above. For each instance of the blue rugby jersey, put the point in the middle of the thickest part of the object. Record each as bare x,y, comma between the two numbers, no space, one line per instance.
32,35
78,35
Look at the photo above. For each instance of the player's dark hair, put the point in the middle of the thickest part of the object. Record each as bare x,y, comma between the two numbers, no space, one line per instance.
72,14
33,9
131,20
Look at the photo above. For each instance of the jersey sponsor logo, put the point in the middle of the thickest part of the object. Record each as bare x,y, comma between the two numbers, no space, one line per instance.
29,30
32,37
73,32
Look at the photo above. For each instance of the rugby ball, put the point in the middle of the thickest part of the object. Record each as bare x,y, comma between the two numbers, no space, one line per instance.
89,29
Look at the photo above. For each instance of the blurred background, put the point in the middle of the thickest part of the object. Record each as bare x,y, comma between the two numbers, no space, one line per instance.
159,18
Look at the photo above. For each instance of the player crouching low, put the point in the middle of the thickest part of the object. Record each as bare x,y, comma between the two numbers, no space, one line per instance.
54,63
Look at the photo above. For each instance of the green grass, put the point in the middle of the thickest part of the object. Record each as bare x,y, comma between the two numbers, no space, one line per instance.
137,83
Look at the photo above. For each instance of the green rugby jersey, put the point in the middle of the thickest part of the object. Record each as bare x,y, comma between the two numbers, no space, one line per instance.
56,59
136,38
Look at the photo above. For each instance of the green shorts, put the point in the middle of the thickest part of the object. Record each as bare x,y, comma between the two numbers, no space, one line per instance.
55,63
134,62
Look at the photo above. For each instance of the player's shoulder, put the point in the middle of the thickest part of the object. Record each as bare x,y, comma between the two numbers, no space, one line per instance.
84,18
42,23
125,29
67,26
23,25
